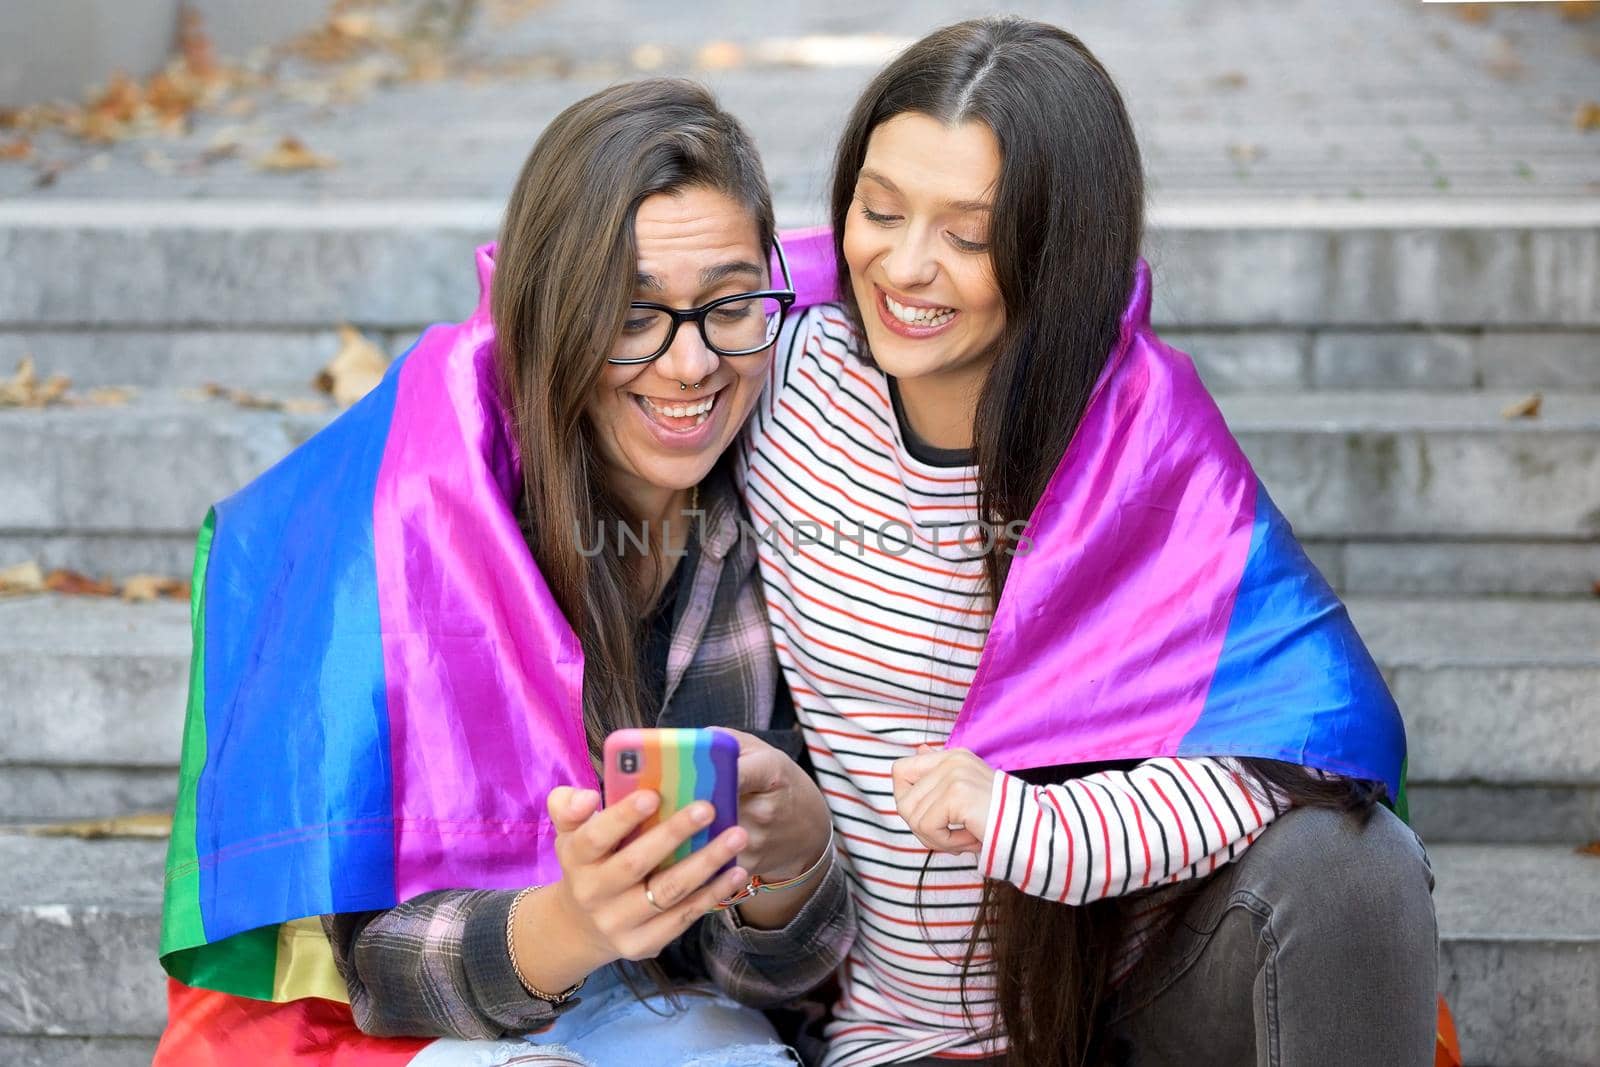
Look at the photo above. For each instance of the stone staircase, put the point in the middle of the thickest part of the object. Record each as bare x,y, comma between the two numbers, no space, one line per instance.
1368,279
1464,541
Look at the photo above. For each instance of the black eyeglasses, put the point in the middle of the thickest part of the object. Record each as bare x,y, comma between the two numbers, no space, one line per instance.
738,325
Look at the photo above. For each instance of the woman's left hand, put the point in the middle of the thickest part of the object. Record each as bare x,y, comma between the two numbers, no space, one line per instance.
943,795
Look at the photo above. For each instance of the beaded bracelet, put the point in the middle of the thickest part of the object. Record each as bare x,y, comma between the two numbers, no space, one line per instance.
516,969
758,885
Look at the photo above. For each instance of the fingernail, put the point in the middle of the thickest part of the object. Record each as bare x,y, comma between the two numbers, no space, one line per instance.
736,838
644,801
702,813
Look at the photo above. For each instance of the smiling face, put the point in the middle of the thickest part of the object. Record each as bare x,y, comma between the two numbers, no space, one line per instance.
917,243
693,246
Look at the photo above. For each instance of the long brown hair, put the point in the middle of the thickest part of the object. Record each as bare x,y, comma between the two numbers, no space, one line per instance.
565,271
1065,235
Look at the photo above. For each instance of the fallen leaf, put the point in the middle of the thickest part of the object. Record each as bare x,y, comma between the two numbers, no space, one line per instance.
21,579
154,825
1591,849
719,55
16,151
194,45
302,405
1476,14
1245,153
1578,10
1596,587
1504,63
24,390
73,583
649,57
244,398
108,396
1230,80
354,370
292,154
1588,116
1526,408
139,588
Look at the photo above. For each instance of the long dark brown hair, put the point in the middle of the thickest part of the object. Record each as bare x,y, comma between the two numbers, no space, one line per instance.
1065,234
565,270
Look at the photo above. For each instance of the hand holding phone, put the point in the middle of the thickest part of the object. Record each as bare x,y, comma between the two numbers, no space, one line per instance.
681,766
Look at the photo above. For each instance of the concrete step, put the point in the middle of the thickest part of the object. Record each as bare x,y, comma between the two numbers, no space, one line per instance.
1221,262
1344,466
1252,359
1519,930
1494,692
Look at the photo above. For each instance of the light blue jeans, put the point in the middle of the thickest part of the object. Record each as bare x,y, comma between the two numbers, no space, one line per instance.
610,1027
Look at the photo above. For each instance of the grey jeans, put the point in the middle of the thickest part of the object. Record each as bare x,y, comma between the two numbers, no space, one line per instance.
1317,946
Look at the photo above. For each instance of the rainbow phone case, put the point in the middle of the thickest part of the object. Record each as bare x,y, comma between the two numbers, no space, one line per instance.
683,766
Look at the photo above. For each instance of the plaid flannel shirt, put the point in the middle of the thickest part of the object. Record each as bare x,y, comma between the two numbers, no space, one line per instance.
437,964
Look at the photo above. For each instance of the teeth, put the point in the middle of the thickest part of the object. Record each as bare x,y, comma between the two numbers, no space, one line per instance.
917,316
682,410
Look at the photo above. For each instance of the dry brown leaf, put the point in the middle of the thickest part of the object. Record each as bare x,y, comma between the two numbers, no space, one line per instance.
240,397
302,405
194,45
21,579
108,396
1477,14
1591,849
1596,587
244,398
154,825
1232,79
1504,63
719,55
1245,153
354,370
139,588
16,151
74,583
24,390
1588,116
1578,10
292,154
1526,408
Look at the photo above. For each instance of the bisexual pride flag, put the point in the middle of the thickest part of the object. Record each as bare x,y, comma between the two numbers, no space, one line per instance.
1164,607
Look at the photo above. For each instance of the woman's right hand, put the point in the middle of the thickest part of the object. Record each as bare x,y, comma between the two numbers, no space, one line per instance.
602,889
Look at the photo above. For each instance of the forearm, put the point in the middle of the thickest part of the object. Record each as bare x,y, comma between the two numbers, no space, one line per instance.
435,966
1116,832
763,967
549,951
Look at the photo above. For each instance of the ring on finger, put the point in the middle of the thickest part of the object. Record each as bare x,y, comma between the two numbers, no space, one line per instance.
650,898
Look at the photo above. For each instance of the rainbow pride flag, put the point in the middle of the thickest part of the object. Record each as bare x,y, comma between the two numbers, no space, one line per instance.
382,690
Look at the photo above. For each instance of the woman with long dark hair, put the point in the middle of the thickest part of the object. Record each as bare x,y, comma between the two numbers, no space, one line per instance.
414,635
1112,771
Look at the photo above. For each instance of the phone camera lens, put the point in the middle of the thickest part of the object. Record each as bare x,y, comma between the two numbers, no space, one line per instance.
629,762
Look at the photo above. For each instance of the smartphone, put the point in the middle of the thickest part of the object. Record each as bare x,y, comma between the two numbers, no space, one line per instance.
683,766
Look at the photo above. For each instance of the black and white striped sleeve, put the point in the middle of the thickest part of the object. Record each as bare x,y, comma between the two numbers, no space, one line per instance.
1116,832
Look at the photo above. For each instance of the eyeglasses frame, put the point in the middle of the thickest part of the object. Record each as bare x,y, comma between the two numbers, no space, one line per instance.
784,297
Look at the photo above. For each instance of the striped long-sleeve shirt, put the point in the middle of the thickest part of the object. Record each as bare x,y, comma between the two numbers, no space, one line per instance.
873,574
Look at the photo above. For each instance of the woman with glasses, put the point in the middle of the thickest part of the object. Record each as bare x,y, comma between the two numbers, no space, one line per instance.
624,334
